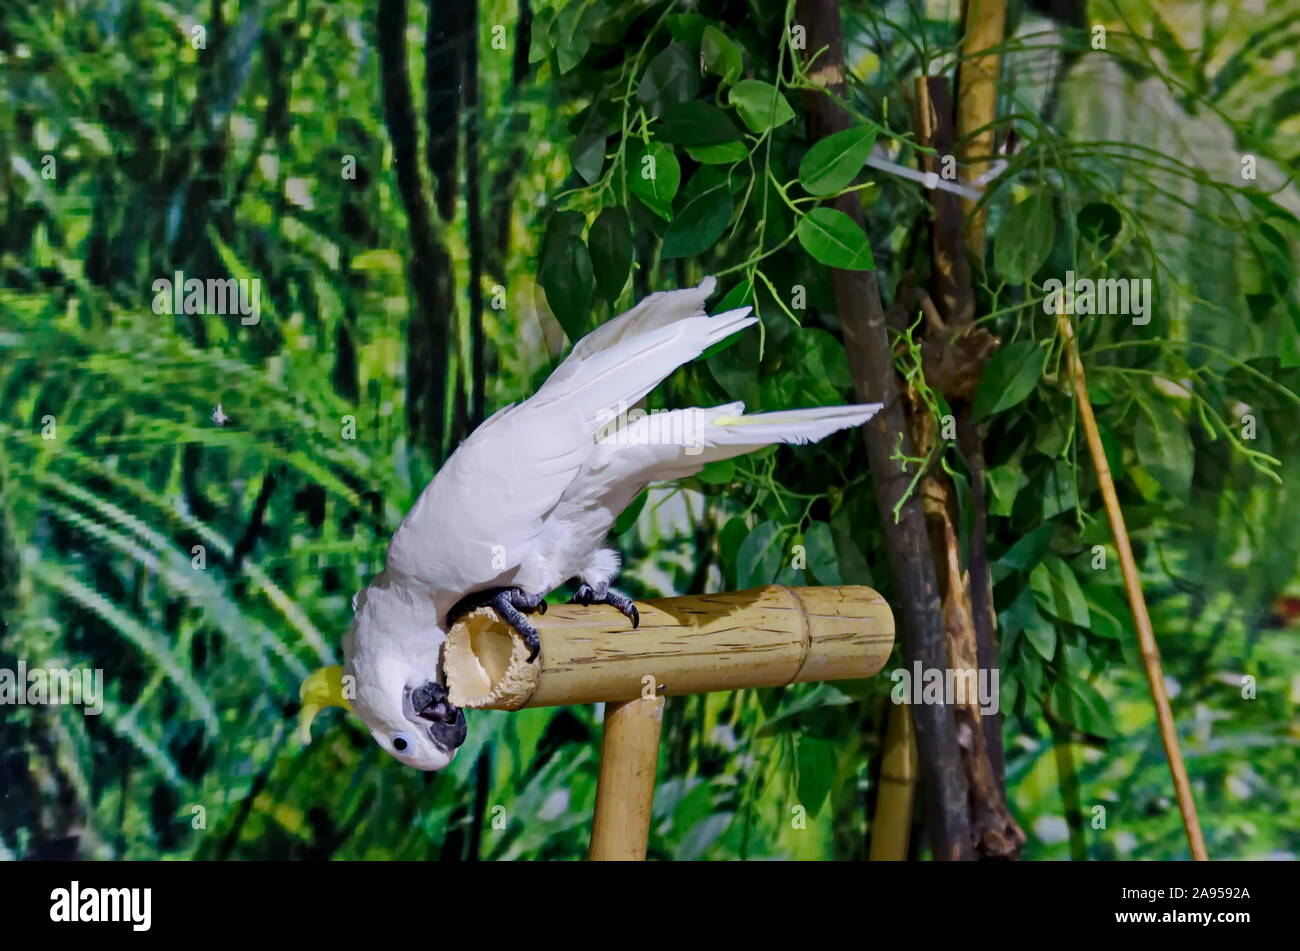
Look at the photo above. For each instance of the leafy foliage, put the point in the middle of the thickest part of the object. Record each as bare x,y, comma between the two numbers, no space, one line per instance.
660,143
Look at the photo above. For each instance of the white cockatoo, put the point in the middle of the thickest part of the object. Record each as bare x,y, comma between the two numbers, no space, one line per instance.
525,504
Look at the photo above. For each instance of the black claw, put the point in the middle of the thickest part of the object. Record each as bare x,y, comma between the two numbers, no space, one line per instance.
505,607
587,595
541,607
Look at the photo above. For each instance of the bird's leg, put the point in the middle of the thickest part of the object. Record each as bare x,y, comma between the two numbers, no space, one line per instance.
505,602
528,603
604,594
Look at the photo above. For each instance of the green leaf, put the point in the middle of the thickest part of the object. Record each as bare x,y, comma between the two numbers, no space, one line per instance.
588,151
539,43
1016,617
1076,701
1010,376
699,225
1005,483
1025,238
1164,447
1100,223
1058,591
1114,451
696,123
671,78
1041,635
719,472
760,556
566,277
738,296
611,251
654,176
1025,554
831,164
1110,614
815,760
835,239
706,178
761,105
627,518
819,697
568,38
852,563
686,28
730,539
562,225
825,358
823,563
728,153
720,56
1060,492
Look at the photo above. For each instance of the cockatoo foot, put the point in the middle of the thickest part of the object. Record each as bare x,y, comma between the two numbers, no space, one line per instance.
511,604
528,603
604,594
507,604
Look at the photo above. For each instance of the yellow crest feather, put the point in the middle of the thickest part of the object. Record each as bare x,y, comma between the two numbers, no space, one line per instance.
322,688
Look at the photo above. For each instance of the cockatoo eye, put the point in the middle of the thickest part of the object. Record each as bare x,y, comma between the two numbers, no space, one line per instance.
403,742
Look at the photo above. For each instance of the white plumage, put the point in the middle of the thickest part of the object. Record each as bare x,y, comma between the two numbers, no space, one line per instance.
526,503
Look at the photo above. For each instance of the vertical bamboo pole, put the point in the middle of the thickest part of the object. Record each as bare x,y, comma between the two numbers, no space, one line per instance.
985,22
629,757
1137,602
892,827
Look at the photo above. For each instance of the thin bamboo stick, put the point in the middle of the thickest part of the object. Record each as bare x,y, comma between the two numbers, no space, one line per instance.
764,637
629,757
1136,600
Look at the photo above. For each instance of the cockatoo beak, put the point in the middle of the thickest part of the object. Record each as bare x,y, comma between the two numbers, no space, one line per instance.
444,721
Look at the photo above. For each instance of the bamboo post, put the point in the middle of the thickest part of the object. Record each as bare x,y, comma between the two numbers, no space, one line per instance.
765,637
629,756
892,829
977,95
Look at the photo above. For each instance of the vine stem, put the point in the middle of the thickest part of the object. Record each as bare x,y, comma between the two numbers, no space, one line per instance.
1136,600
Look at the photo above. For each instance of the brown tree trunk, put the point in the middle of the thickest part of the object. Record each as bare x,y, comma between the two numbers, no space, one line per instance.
954,354
871,358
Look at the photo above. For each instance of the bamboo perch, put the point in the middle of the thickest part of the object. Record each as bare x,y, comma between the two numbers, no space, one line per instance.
1137,602
764,637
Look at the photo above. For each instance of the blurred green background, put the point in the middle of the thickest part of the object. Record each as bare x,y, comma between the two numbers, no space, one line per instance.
411,186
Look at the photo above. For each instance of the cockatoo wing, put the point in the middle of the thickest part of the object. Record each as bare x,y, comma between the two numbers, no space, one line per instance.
672,445
478,521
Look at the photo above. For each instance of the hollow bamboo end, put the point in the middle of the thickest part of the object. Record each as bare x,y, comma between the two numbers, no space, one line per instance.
487,664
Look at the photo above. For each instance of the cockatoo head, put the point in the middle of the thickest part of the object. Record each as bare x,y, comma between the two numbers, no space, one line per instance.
407,711
392,681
